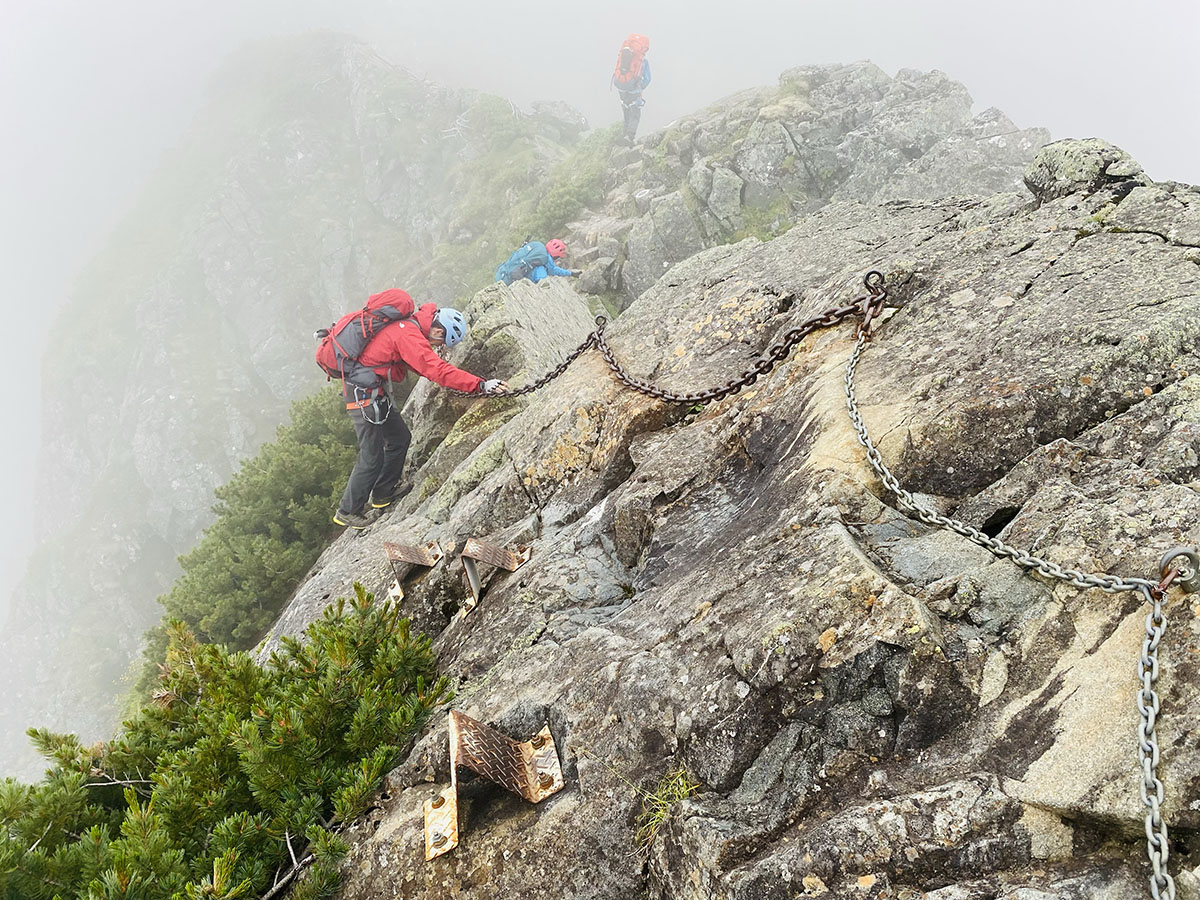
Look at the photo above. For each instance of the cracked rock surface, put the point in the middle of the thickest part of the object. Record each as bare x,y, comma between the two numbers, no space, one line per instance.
870,708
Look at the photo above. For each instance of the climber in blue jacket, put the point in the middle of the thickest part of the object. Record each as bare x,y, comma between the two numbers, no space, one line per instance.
535,261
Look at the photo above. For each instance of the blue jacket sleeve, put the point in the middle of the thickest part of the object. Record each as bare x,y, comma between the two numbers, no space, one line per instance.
645,72
552,269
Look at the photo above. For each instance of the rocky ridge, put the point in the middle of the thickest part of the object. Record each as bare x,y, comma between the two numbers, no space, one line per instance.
338,174
871,708
755,162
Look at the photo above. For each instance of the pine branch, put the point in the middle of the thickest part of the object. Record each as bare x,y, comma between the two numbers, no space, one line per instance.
39,840
287,836
287,878
107,780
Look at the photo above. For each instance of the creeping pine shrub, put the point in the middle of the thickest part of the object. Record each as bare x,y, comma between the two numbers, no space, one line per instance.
228,771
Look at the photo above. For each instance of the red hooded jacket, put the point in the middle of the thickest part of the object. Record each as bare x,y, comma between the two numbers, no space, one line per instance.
405,345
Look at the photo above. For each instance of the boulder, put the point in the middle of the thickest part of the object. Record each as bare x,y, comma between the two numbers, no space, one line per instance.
1065,167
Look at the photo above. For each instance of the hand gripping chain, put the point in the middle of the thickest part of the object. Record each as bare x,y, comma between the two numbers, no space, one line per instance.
868,307
1186,573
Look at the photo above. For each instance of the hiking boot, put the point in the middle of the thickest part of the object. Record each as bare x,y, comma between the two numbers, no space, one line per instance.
385,502
351,520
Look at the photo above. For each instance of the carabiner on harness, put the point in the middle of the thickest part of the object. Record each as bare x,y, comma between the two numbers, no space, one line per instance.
374,409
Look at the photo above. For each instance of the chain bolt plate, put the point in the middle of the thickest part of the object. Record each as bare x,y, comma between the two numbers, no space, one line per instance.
1187,571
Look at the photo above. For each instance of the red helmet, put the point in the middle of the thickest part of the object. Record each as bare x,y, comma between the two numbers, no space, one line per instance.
556,248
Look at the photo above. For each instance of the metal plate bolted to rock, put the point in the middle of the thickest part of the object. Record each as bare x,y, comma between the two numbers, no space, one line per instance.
492,554
530,769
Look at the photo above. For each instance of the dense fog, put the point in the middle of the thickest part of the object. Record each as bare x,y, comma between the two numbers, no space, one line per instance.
92,95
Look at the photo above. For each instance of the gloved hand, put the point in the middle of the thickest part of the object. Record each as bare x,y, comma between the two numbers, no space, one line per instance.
494,386
575,273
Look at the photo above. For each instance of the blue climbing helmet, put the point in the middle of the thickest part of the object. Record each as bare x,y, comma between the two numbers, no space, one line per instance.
452,322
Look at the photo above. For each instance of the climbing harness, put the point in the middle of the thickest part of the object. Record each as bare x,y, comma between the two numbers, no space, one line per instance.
1186,574
375,407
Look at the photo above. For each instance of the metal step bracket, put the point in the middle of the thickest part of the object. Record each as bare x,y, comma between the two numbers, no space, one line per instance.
494,555
401,555
530,769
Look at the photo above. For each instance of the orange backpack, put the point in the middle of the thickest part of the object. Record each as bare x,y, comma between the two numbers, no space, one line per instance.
629,61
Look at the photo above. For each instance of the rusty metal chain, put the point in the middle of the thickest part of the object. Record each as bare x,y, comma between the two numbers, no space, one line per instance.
869,306
589,341
557,370
1162,885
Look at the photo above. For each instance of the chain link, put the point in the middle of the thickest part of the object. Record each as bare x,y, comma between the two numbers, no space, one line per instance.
589,341
1162,885
868,306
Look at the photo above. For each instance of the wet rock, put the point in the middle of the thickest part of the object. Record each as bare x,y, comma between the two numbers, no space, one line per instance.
867,706
1070,166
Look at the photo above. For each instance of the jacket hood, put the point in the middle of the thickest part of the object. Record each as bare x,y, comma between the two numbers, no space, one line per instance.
424,316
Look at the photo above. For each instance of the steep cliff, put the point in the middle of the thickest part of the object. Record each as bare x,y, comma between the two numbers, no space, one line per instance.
868,706
315,172
318,173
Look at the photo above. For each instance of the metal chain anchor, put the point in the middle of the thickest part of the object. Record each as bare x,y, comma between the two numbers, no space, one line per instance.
1186,574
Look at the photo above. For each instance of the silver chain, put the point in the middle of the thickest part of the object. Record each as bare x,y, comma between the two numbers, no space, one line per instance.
1162,885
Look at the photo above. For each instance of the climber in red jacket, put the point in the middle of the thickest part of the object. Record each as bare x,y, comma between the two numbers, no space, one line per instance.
383,437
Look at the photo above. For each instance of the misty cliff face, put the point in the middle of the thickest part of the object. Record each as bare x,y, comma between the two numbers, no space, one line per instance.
870,707
319,173
315,172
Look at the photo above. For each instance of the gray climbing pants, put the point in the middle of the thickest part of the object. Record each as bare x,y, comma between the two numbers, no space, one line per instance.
381,451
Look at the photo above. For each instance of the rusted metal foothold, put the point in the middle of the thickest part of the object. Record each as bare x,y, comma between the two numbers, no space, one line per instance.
441,823
395,593
530,769
494,555
401,557
515,765
426,555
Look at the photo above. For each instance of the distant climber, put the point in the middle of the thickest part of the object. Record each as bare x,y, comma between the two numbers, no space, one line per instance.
370,349
630,78
535,261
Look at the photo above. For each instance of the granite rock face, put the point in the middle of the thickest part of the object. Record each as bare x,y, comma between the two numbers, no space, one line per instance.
869,707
